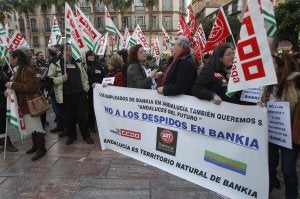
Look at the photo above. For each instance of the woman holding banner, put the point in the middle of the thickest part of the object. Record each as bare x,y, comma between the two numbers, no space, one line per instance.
287,90
211,83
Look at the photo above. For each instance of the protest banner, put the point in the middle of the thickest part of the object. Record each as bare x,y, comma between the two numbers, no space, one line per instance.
219,147
279,124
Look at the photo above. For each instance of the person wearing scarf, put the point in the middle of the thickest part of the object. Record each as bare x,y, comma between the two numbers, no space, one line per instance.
181,72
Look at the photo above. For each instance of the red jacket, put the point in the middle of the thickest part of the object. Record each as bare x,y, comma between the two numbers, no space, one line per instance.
119,78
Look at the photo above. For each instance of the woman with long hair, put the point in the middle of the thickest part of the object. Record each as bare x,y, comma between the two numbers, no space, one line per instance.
24,84
211,83
287,89
138,74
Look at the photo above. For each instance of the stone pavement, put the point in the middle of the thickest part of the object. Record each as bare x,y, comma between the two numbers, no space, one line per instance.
84,171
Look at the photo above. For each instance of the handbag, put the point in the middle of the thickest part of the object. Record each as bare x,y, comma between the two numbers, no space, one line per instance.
296,124
37,104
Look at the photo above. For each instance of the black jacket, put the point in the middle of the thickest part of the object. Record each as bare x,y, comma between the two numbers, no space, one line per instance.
210,82
96,71
181,77
3,80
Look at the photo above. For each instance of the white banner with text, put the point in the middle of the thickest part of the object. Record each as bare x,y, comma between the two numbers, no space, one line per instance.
219,147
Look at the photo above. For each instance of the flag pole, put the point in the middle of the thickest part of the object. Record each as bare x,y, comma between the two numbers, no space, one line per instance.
233,40
5,136
65,46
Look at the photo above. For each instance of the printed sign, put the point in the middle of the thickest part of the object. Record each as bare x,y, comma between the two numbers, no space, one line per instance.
279,122
218,147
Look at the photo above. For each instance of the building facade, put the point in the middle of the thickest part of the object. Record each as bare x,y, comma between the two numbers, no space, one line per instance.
37,26
209,8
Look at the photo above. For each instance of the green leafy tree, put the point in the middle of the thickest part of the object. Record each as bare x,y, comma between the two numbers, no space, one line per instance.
122,6
234,24
288,21
5,8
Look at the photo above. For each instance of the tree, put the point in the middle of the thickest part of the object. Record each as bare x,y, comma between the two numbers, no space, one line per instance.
122,6
150,4
234,24
5,7
105,2
288,21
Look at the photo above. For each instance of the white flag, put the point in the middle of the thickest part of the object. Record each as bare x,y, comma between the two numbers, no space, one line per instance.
157,50
167,39
138,37
55,37
125,38
17,41
73,31
3,36
90,34
269,17
253,65
102,45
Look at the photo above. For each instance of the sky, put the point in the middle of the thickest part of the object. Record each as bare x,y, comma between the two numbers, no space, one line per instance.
188,2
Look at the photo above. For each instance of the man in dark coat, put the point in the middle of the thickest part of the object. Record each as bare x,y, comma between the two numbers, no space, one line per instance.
181,72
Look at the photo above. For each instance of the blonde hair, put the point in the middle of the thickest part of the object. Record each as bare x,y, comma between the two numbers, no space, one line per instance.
116,61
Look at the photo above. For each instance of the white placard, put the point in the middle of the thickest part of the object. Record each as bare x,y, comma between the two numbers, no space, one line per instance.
108,80
279,120
251,95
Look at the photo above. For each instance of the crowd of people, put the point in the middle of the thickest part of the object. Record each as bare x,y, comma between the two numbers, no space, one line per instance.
68,85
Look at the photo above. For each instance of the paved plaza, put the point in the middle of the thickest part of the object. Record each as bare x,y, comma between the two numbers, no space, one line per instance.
83,171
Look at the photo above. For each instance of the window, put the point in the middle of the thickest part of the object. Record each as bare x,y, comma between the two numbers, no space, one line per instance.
127,22
138,3
141,20
182,6
86,9
47,40
115,20
36,42
99,7
154,22
167,5
22,25
155,7
48,25
61,23
15,16
167,22
225,8
234,6
207,2
33,23
100,23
